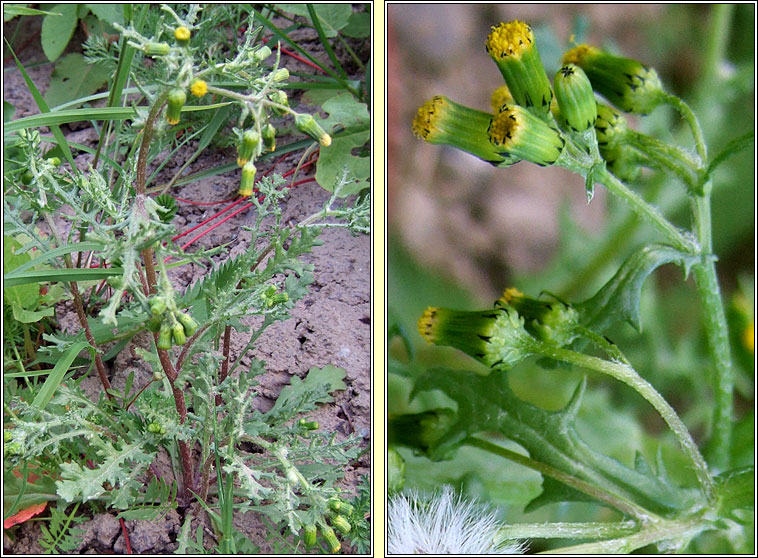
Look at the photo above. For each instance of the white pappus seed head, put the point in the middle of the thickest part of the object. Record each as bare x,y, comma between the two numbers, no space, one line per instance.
443,524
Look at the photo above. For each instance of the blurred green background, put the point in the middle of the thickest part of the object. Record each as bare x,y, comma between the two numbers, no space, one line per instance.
461,231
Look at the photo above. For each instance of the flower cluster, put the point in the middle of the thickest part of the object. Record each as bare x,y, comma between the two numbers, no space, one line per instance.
501,337
262,100
531,119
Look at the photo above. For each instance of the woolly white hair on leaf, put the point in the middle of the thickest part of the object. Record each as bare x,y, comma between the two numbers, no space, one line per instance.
443,524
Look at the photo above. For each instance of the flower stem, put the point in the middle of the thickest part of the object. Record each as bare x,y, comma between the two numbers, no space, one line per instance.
646,211
612,500
666,156
693,123
680,531
147,258
630,377
561,530
716,331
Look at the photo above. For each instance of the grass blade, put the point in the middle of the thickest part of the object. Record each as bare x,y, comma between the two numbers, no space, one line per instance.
42,107
67,249
56,376
325,41
275,30
59,275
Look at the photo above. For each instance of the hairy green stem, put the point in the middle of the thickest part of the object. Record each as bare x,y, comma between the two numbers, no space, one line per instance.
716,40
147,257
630,377
646,211
677,532
612,500
717,334
561,530
666,157
80,313
693,123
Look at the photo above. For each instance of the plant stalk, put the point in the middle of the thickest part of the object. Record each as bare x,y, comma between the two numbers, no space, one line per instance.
717,334
663,531
646,211
629,376
561,530
624,506
80,314
147,258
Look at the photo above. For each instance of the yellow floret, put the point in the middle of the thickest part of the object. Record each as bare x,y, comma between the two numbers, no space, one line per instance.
510,39
198,88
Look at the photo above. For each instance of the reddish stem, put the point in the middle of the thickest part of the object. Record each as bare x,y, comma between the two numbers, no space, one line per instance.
208,220
225,364
126,536
297,57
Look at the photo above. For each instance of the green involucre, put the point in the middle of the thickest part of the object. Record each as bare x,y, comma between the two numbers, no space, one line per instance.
626,83
442,121
575,98
516,132
513,48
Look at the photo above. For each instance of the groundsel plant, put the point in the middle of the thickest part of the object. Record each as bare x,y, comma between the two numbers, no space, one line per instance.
577,122
100,224
443,524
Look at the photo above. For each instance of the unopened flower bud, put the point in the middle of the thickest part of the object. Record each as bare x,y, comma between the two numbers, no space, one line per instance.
512,46
308,424
340,506
157,306
395,471
248,179
164,338
282,74
176,100
516,132
628,84
269,136
189,325
280,97
341,524
156,49
442,121
262,53
177,332
248,147
308,125
496,337
309,535
331,539
575,97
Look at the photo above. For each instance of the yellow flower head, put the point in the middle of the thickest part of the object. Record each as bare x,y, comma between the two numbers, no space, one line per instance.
496,338
198,88
442,121
511,45
515,131
579,54
509,294
182,33
424,124
501,96
510,39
